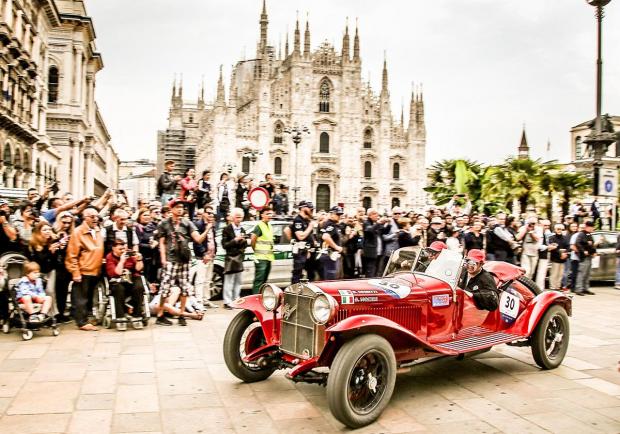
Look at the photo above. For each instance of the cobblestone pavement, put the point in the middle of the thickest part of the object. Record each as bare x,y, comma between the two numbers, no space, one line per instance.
173,380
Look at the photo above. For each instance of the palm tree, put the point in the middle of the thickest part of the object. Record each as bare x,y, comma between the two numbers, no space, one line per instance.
570,185
450,177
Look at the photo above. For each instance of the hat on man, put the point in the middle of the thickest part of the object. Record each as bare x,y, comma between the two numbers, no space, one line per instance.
3,202
436,221
306,204
336,210
437,246
475,255
176,201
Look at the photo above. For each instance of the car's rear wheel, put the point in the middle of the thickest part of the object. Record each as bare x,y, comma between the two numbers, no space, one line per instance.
530,284
244,335
550,338
361,380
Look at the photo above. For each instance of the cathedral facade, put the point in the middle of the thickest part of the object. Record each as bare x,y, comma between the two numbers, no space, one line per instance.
351,149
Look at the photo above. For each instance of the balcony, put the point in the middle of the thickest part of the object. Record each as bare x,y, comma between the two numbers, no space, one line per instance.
324,158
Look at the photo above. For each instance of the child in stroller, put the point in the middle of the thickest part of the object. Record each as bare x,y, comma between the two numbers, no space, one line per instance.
30,290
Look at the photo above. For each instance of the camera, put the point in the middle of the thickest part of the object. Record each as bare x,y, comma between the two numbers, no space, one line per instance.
130,253
54,187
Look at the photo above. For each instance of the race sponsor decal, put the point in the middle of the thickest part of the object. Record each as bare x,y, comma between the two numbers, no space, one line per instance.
509,305
392,288
366,291
347,299
440,300
366,299
345,292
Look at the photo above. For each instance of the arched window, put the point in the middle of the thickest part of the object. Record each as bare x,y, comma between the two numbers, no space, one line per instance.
368,138
7,158
578,148
324,143
52,85
322,197
324,92
277,166
396,171
366,202
395,202
277,133
191,118
367,169
245,164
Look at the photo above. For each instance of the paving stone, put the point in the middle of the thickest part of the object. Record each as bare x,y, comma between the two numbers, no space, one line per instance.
11,383
58,372
293,410
99,401
141,398
195,421
29,351
19,365
137,378
136,422
100,382
27,424
137,363
91,421
560,423
42,398
601,385
191,401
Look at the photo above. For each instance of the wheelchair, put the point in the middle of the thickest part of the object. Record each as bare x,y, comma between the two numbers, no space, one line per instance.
105,310
11,271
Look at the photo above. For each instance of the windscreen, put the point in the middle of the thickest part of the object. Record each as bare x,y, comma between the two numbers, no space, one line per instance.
446,266
402,260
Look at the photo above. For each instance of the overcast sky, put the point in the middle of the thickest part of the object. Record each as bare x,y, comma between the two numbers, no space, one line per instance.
487,66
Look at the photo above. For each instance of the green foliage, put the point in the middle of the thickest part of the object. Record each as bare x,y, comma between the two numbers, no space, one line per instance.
495,188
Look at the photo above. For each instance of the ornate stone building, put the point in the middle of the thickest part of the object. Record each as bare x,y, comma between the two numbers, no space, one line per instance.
50,128
27,158
354,150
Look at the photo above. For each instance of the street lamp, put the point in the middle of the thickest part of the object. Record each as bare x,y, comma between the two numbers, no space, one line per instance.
251,155
599,140
296,133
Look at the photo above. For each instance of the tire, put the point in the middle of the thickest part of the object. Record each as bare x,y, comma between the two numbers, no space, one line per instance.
347,370
244,330
27,335
218,283
549,353
530,284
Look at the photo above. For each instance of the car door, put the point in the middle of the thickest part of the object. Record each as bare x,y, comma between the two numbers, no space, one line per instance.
604,267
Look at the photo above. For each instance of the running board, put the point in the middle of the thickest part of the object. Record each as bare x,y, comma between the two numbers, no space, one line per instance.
473,343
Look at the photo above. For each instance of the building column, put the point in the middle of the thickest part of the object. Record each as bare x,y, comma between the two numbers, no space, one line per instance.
77,175
88,169
66,88
8,11
77,96
10,178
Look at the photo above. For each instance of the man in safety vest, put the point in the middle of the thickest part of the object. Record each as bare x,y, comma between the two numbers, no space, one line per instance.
262,244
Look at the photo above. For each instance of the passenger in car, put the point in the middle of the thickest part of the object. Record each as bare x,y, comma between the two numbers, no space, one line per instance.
479,283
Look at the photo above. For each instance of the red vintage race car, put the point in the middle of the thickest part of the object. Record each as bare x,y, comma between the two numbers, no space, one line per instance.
354,335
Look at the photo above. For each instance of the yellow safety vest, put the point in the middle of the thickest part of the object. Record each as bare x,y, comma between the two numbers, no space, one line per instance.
264,244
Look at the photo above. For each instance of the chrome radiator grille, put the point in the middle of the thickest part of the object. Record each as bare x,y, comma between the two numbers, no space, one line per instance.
298,329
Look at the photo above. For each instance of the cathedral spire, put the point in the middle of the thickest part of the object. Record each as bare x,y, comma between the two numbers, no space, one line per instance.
356,44
286,44
264,21
524,148
296,41
345,43
181,89
307,37
413,111
174,88
402,113
232,96
220,100
384,76
201,95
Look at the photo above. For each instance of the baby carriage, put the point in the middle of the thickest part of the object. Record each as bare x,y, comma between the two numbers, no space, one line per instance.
11,270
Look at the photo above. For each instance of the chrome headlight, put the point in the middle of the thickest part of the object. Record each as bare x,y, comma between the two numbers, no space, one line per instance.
270,296
323,308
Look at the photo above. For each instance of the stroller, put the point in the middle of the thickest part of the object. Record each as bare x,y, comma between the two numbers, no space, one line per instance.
11,270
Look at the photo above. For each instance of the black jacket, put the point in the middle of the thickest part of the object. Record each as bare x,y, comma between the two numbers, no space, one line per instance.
483,288
371,233
200,249
585,243
232,247
563,242
166,184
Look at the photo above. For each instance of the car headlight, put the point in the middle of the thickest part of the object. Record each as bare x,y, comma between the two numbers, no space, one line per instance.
323,308
270,296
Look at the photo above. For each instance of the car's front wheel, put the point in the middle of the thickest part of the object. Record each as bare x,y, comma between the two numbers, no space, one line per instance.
361,380
550,339
244,335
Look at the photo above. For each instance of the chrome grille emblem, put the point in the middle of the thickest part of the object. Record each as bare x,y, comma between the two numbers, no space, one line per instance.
288,311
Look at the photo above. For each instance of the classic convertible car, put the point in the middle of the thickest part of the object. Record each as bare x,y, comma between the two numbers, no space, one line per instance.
353,335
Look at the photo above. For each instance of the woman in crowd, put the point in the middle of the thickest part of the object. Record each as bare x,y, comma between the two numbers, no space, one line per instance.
43,249
454,240
147,234
63,228
241,195
224,197
405,237
24,224
188,191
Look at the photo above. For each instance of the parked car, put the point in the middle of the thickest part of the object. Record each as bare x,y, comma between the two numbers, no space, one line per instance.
604,268
281,268
365,330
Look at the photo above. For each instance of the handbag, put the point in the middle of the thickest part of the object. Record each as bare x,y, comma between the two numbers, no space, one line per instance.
233,263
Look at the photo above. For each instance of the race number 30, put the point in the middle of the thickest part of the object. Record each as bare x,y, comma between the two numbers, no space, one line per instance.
508,306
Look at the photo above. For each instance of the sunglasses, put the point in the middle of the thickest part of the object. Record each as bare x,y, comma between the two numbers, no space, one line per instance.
471,262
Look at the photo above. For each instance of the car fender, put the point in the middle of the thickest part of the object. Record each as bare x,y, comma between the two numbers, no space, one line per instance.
398,336
528,320
270,321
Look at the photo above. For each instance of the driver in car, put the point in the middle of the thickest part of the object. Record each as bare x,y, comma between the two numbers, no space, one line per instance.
478,283
429,254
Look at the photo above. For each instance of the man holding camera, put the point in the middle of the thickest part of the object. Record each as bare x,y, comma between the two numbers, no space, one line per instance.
530,235
205,254
124,269
167,183
373,243
8,234
175,233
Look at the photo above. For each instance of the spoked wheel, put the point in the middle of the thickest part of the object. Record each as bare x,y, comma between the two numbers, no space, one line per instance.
244,335
550,339
361,380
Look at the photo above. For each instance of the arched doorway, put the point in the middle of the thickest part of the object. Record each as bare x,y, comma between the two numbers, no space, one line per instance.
395,202
366,202
323,194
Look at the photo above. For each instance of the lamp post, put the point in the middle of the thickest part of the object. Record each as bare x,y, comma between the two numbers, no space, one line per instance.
252,155
599,139
296,133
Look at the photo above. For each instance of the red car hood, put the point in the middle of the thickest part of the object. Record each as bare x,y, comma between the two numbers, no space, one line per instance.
369,290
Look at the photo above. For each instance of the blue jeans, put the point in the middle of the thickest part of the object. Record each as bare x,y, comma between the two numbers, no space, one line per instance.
329,268
617,271
232,287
